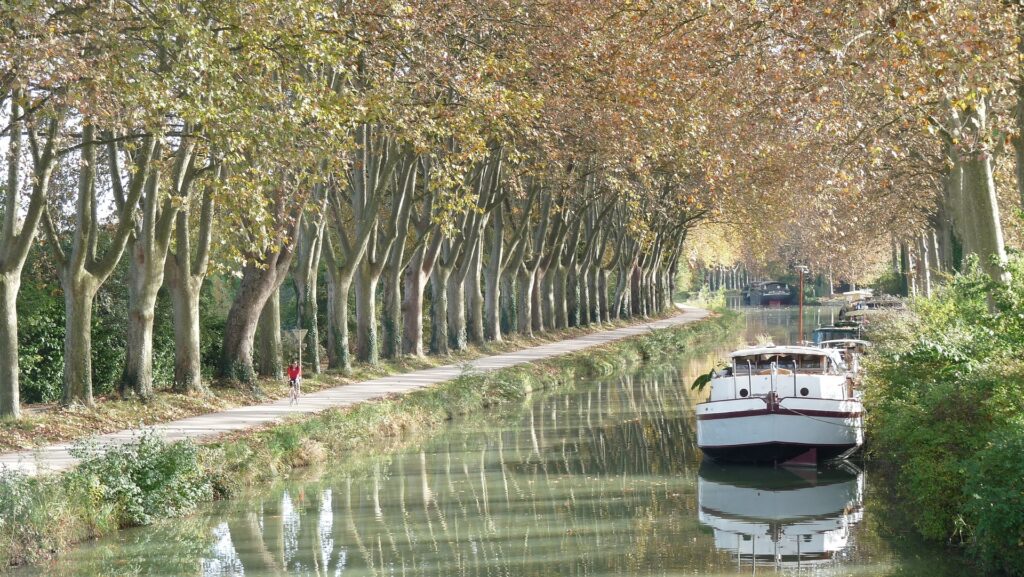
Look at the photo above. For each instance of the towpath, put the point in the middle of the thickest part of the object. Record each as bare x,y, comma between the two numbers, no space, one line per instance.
56,457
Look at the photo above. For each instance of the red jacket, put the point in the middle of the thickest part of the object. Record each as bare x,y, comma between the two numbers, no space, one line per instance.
294,372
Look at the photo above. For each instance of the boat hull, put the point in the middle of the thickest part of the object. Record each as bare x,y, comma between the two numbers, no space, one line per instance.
762,431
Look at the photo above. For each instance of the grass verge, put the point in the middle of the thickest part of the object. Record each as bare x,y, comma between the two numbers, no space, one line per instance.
153,480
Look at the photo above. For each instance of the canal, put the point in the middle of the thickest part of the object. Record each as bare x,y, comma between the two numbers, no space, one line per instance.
603,479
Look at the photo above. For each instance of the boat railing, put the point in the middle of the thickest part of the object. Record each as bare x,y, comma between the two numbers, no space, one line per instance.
794,377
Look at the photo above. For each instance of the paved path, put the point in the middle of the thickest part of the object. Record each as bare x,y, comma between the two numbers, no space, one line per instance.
54,458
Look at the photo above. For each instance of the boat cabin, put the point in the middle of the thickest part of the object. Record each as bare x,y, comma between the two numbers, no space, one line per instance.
797,371
834,333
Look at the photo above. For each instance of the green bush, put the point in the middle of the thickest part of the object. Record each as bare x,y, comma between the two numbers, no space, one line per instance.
945,388
40,343
143,481
994,495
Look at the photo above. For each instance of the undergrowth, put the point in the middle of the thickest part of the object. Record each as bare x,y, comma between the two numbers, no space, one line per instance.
944,399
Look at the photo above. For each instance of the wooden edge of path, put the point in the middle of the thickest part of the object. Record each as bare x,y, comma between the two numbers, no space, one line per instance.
57,457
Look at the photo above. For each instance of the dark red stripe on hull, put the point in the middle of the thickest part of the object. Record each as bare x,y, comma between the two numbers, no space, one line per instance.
780,411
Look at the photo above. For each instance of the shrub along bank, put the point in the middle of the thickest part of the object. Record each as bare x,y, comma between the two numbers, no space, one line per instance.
945,395
152,479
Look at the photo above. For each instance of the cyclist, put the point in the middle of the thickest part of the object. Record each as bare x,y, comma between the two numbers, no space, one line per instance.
294,379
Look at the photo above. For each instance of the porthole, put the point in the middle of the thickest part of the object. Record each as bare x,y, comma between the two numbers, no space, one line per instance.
744,392
804,392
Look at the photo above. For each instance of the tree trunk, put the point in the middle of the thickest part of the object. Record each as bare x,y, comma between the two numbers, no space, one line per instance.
547,298
10,405
561,318
306,316
79,293
507,297
339,356
602,295
137,378
475,298
439,310
188,372
412,307
924,263
367,345
572,297
493,298
524,301
1018,141
583,287
595,308
536,312
310,321
456,312
391,316
934,262
305,278
944,230
268,332
979,191
184,276
256,287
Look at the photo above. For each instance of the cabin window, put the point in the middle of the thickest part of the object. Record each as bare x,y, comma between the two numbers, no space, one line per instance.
786,364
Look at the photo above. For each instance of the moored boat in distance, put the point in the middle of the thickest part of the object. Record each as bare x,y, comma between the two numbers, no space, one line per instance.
768,293
777,404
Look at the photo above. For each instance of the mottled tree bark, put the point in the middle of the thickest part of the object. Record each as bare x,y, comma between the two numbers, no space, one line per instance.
475,297
338,352
509,307
367,344
79,294
439,343
184,276
260,280
9,393
524,300
17,234
412,305
491,324
269,354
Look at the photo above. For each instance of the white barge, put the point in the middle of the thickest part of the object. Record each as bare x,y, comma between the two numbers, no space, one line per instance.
777,404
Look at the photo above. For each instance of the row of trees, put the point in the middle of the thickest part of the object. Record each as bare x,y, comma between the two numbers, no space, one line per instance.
518,165
510,166
883,124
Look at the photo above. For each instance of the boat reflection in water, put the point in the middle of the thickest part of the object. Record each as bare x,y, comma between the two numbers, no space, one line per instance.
785,518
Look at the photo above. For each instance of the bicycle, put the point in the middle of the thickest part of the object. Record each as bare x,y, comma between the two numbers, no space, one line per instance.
294,393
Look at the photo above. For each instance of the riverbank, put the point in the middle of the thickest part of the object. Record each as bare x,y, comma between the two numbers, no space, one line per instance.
43,425
944,399
152,479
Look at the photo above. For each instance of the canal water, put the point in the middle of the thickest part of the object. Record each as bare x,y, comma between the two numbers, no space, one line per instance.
605,479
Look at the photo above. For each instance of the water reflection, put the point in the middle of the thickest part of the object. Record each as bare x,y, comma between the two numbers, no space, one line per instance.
785,518
595,482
